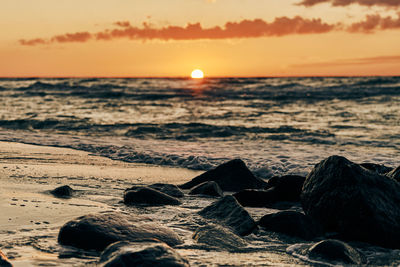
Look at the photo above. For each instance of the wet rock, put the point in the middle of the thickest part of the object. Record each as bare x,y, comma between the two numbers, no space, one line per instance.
230,176
359,204
97,231
169,189
335,250
287,187
229,212
378,168
207,189
4,262
220,237
148,196
394,174
64,191
145,254
291,223
255,198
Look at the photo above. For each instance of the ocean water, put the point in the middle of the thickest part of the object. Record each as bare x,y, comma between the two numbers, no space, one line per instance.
276,125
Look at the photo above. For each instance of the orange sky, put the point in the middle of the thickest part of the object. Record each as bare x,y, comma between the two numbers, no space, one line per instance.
222,37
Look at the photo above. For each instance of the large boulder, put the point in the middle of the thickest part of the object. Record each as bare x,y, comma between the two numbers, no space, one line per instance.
229,212
97,231
291,223
357,203
148,196
219,237
146,254
230,176
4,260
169,189
64,191
394,174
207,189
336,251
256,198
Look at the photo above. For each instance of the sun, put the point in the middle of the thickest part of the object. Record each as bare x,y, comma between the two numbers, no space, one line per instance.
197,74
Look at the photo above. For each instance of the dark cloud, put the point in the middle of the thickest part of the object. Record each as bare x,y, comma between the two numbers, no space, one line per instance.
387,3
375,22
194,31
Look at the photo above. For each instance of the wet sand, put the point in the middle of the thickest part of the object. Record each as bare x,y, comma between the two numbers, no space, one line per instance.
31,217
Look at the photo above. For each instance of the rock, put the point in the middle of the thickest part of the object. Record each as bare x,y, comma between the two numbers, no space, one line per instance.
220,237
145,254
64,191
230,213
230,176
335,250
287,187
359,204
4,262
148,196
255,198
208,189
378,168
97,231
169,189
291,223
394,174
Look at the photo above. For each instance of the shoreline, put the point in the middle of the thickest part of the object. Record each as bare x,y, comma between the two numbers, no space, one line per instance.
31,216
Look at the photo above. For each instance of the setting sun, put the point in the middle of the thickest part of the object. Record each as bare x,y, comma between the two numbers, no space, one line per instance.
197,74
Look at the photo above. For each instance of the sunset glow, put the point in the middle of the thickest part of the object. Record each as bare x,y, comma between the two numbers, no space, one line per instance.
228,38
197,74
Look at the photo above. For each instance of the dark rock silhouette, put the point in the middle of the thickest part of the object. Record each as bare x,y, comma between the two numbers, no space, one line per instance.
169,189
291,223
4,262
394,174
256,198
208,189
145,254
148,196
335,250
287,187
97,231
378,168
230,176
359,204
64,191
219,237
229,212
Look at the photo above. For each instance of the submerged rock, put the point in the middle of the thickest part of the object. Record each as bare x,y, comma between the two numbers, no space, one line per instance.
169,189
4,262
230,176
291,223
378,168
208,189
97,231
359,204
335,250
145,254
220,237
148,196
64,191
229,212
394,174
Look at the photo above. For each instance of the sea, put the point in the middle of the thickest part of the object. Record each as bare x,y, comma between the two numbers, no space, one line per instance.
276,125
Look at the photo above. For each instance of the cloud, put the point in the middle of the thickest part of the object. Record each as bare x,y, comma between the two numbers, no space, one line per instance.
353,61
375,22
194,31
386,3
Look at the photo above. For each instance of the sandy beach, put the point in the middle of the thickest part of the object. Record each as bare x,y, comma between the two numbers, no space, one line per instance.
31,217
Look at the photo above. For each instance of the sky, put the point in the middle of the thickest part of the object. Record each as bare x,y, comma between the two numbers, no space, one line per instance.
170,38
